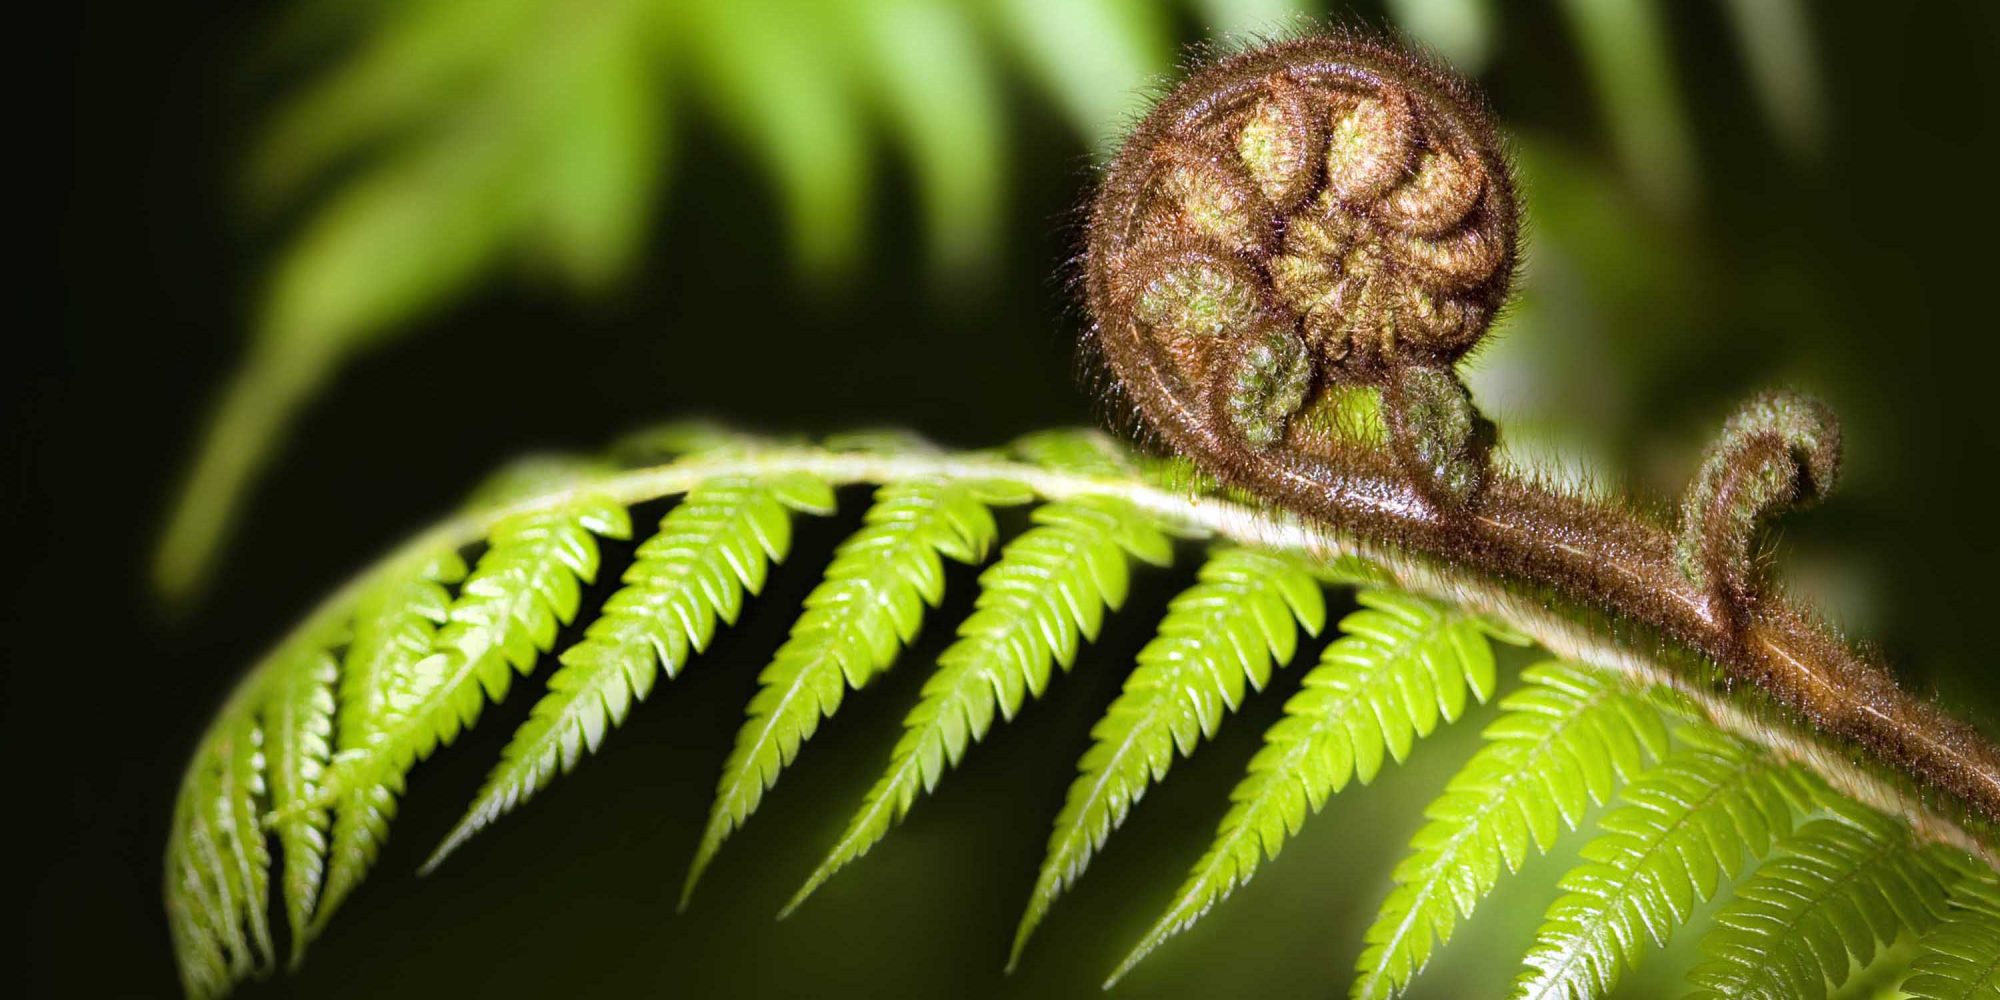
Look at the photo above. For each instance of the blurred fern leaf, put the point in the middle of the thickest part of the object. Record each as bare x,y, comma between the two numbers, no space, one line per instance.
445,139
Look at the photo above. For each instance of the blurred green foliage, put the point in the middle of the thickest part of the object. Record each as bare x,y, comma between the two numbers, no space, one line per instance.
435,141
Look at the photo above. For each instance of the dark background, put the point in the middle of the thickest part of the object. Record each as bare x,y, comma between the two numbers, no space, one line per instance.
1869,275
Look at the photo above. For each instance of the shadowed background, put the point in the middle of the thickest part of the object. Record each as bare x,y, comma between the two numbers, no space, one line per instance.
1838,240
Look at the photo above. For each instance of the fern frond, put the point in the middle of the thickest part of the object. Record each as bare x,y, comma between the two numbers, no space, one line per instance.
1401,665
1832,890
1960,958
710,549
1233,626
856,621
526,585
1571,737
217,878
200,923
1046,594
298,721
1677,831
395,623
413,651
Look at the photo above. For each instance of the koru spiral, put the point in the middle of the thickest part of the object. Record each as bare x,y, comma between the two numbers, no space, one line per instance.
1322,212
1331,214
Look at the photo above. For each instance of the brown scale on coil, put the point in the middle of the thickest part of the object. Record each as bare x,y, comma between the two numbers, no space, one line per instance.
1329,214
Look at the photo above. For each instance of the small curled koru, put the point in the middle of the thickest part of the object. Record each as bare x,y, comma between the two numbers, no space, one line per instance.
1780,450
1331,214
1319,213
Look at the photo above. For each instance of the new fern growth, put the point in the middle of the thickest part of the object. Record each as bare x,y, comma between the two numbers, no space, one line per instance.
1284,264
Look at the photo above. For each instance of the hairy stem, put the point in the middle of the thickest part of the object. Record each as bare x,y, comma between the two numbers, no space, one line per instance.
1660,619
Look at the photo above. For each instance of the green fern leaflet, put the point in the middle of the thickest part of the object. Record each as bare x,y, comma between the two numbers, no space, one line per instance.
1228,630
1678,830
1960,958
1832,890
1401,666
395,623
1045,596
855,623
299,719
713,547
1569,738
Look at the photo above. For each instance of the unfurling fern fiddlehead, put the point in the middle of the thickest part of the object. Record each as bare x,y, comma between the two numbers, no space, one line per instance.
1295,232
1330,212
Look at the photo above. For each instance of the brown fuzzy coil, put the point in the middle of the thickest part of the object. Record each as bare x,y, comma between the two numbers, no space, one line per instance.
1330,214
1321,211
